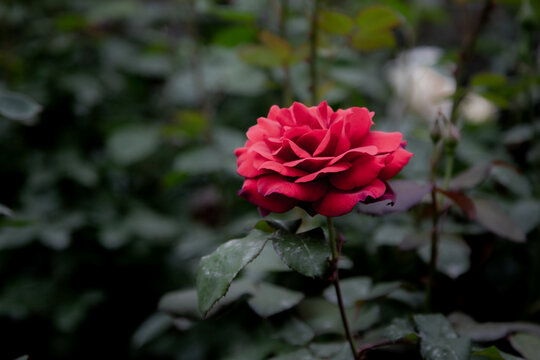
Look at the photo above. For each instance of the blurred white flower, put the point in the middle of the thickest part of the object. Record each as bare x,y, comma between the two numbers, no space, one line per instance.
426,91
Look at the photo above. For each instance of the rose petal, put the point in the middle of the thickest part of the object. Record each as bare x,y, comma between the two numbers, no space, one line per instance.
275,203
363,171
352,154
310,164
385,142
282,169
327,170
400,158
311,140
273,112
277,184
303,116
289,151
244,163
357,124
337,203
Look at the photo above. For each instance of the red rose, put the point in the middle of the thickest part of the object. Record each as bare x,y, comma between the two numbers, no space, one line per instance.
323,161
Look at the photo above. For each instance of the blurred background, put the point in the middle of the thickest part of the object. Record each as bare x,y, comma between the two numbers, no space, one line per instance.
118,124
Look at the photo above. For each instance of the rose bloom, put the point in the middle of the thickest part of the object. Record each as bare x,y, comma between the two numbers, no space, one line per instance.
321,160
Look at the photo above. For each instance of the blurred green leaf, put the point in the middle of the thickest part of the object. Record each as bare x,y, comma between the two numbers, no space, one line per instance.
217,270
295,332
370,41
132,144
375,18
335,22
277,45
151,328
269,299
18,107
359,289
527,345
454,255
434,325
471,177
306,253
439,341
493,218
488,80
4,210
234,35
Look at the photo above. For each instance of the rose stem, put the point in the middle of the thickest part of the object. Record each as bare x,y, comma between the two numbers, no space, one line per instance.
450,148
335,281
434,229
313,40
287,92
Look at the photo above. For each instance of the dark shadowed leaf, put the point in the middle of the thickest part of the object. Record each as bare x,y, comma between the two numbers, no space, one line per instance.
269,299
471,177
334,22
287,225
463,201
18,107
151,328
307,252
217,270
527,345
526,214
407,194
494,219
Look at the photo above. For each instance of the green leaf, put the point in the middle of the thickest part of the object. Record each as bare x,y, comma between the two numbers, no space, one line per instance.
493,218
151,328
399,329
132,144
374,18
234,35
295,332
359,289
217,270
433,348
4,210
527,345
434,325
270,299
306,253
370,41
287,225
18,107
183,303
260,56
334,22
439,340
332,350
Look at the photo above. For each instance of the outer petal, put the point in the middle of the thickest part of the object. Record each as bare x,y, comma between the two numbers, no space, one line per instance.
364,170
400,158
275,203
337,203
385,142
277,184
244,162
303,116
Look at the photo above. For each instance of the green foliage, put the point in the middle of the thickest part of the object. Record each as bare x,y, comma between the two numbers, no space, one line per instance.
118,124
